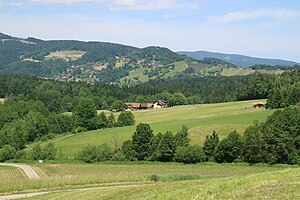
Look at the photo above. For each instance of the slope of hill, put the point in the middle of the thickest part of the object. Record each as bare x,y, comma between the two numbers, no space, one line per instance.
202,120
87,61
238,60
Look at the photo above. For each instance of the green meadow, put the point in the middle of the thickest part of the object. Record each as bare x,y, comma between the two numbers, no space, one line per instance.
59,177
67,55
201,120
280,184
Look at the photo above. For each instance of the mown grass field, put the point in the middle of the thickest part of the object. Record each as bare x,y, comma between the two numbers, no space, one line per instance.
236,72
67,55
2,100
200,119
282,184
76,175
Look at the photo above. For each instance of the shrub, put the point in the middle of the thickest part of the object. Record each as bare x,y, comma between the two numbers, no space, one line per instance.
7,152
48,152
126,119
189,154
91,153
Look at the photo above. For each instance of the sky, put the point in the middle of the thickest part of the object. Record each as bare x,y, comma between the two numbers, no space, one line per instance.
261,28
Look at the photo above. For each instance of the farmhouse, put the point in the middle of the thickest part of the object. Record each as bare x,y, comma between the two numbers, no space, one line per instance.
259,105
145,106
160,104
133,106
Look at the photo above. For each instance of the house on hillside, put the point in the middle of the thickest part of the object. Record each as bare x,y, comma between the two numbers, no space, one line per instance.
160,104
145,106
133,106
259,105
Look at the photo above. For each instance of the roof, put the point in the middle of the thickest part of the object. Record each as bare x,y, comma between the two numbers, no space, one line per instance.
161,102
259,103
134,105
149,105
144,105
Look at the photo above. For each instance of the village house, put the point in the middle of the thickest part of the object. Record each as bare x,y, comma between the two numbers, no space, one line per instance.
160,104
145,106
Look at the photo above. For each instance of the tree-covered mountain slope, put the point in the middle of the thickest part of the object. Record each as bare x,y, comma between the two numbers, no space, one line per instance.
102,62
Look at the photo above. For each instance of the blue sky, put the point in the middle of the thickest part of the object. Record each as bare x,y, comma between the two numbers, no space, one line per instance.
262,28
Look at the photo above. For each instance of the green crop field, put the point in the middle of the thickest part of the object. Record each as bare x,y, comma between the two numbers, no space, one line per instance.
201,119
11,174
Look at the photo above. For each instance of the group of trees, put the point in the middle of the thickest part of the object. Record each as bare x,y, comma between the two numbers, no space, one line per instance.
64,96
22,122
281,90
275,141
144,145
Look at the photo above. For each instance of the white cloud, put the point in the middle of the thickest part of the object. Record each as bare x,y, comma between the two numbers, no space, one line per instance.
66,2
143,4
114,4
282,14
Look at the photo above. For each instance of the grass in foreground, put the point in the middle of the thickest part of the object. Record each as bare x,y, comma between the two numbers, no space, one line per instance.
201,119
67,176
281,184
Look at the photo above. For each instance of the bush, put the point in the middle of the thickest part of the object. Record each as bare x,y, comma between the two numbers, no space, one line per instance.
48,152
7,152
91,153
126,119
230,148
189,154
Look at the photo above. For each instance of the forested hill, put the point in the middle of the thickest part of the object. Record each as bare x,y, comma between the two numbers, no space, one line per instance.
239,60
87,61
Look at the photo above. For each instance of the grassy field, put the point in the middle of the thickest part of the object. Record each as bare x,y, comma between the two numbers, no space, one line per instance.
282,184
72,175
201,119
2,100
67,55
236,72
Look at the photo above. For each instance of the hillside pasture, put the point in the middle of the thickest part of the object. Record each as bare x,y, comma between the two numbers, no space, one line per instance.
200,119
66,55
236,72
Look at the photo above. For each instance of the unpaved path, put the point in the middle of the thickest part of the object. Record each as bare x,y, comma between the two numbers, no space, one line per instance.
19,196
29,171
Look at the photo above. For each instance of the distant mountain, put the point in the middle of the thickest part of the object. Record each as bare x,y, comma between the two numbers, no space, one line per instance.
236,59
4,36
88,61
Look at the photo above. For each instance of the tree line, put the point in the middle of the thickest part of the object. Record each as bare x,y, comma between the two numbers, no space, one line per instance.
22,122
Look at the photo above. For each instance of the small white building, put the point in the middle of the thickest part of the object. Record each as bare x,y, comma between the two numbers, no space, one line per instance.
160,104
